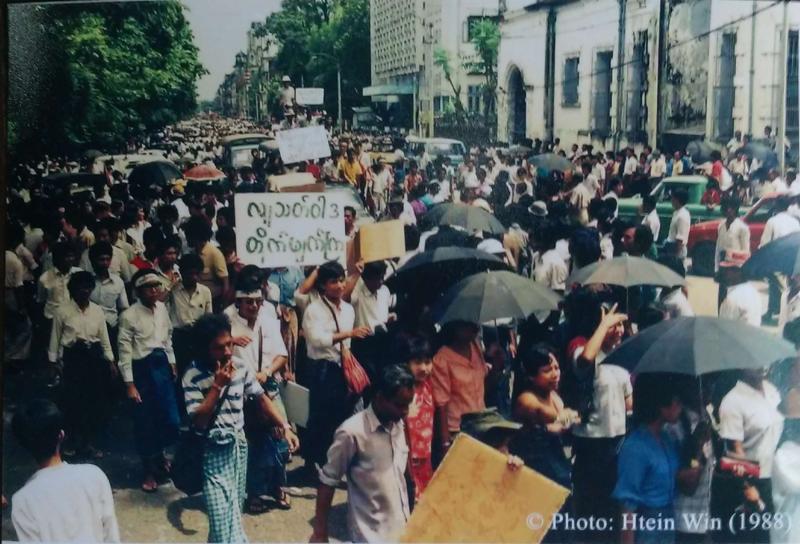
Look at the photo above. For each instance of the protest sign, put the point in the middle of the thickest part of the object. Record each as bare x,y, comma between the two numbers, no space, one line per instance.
380,241
475,497
289,229
302,144
279,184
309,96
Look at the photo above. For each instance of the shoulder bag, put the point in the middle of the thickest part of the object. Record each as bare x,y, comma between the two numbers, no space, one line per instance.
354,374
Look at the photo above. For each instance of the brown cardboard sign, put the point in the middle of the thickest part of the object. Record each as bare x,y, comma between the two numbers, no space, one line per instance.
475,497
380,241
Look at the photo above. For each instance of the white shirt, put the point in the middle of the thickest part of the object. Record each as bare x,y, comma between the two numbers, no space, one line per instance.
743,303
52,290
658,168
371,309
677,304
272,344
752,418
778,226
381,181
142,331
65,503
119,264
112,298
28,261
71,325
319,328
612,385
679,228
733,238
631,164
551,270
15,270
786,492
653,222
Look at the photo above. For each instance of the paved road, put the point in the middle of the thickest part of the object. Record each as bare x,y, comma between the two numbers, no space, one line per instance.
169,516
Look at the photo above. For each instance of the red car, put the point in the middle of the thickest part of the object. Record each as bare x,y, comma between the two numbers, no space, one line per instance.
703,236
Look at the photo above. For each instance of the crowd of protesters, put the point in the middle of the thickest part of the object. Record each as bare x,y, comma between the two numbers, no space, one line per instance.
141,298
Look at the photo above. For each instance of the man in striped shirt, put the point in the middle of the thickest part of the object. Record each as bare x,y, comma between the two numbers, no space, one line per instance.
216,387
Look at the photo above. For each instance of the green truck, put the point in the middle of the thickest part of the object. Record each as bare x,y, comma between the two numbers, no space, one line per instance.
629,208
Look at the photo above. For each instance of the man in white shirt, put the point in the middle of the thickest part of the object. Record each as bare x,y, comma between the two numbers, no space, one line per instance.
651,219
549,267
733,234
631,164
742,301
328,326
60,502
680,223
779,225
658,168
381,181
147,365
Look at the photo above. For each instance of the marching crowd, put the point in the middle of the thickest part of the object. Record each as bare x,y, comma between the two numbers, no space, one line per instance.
142,299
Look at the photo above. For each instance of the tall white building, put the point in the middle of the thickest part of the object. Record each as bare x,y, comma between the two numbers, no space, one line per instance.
404,34
629,72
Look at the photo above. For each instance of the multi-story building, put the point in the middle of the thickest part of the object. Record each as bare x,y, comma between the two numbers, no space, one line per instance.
629,72
404,35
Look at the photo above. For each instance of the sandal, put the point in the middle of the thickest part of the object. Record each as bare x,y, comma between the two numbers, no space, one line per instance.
256,506
282,501
149,485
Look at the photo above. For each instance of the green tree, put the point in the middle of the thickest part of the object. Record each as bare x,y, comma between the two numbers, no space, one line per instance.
486,39
121,69
441,58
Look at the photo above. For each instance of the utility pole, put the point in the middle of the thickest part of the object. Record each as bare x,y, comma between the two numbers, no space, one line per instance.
429,69
339,92
784,74
623,5
752,78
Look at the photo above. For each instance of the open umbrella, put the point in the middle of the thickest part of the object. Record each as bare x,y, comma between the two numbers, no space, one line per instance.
203,172
781,255
627,272
700,345
154,173
92,154
699,150
519,151
763,152
448,237
432,272
469,218
494,295
551,161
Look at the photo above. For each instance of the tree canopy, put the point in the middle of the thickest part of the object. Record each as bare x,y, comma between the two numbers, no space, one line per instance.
120,69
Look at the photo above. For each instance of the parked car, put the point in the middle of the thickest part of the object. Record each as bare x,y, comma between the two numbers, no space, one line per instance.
237,149
628,208
436,147
703,236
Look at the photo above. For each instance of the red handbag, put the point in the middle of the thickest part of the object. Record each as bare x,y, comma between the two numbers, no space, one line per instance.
354,374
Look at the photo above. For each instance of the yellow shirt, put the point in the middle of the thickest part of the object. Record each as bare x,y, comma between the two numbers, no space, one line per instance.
350,170
214,269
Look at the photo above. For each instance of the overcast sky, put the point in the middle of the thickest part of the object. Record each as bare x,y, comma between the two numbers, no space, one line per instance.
220,31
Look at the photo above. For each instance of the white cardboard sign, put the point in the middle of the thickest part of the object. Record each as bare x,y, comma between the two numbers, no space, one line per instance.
302,144
289,229
309,96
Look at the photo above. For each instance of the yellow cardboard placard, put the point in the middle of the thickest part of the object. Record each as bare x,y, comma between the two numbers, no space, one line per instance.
475,497
380,241
284,182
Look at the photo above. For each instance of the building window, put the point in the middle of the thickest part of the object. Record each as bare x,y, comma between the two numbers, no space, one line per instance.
469,23
725,91
441,103
569,92
601,99
637,91
474,98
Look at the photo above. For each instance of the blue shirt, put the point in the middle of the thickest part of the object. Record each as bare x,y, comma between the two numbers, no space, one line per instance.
646,470
288,280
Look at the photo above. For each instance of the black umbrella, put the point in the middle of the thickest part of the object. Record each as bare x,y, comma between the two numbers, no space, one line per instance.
469,218
430,273
448,237
700,345
92,154
699,150
781,255
763,152
494,295
519,151
158,173
551,161
627,272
